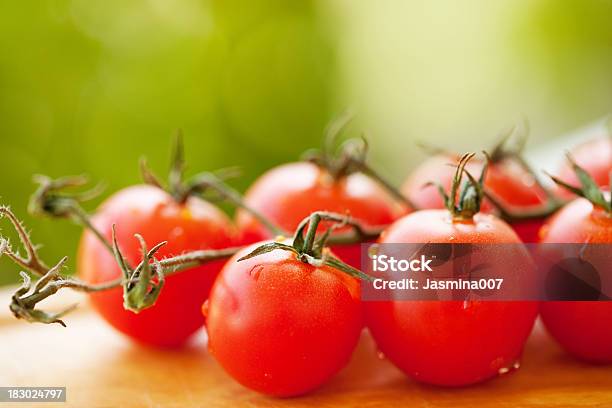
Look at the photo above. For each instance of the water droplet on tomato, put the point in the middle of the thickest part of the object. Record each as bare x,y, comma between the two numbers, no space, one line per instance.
380,355
205,307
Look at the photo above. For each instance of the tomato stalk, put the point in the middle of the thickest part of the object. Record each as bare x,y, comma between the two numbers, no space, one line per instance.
463,202
200,184
312,249
349,158
588,187
511,149
141,284
502,151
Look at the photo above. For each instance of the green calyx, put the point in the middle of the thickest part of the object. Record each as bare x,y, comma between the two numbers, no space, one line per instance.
588,187
142,284
509,147
181,189
464,201
511,143
311,248
339,161
54,197
210,186
349,158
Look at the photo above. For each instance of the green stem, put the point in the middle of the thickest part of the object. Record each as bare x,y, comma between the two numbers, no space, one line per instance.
141,284
523,215
312,250
349,158
80,217
177,170
313,224
208,181
199,184
33,262
394,192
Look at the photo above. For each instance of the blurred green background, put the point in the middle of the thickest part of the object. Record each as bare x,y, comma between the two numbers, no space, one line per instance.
91,86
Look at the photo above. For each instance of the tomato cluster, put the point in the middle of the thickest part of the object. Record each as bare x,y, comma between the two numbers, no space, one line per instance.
284,319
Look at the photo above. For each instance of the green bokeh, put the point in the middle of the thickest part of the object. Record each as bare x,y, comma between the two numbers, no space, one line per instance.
90,87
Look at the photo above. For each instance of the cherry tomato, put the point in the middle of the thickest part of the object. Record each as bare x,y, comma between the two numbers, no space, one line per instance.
505,179
583,328
595,157
280,326
451,343
289,193
155,215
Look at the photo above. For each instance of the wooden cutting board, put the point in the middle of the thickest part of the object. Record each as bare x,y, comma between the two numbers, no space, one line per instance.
101,368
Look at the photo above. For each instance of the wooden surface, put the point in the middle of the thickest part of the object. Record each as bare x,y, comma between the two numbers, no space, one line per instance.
101,368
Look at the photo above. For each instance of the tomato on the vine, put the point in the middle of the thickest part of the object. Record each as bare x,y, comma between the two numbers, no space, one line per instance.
290,192
157,216
280,325
454,342
506,180
583,328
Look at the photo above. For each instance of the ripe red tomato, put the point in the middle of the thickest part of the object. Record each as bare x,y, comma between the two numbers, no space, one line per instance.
280,326
155,215
583,328
451,343
595,157
289,193
506,180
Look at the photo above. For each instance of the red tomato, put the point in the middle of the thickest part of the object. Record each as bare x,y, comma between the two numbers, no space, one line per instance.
595,157
451,343
505,179
155,215
280,326
584,328
289,193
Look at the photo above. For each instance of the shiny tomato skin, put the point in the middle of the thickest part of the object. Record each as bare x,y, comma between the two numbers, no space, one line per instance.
584,329
450,343
155,215
288,193
505,179
594,156
282,327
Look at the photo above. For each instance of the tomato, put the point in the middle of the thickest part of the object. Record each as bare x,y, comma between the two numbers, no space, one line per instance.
506,180
594,156
155,215
280,326
454,342
289,193
583,328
